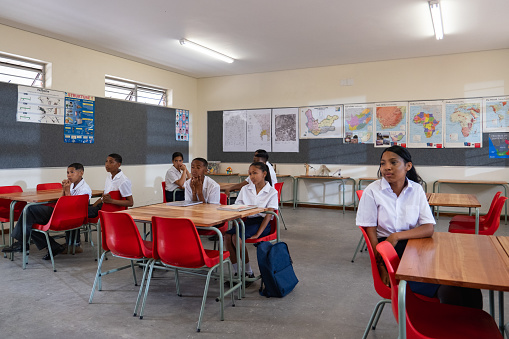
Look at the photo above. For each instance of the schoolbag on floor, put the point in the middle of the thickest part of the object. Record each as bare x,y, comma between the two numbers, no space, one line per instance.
276,269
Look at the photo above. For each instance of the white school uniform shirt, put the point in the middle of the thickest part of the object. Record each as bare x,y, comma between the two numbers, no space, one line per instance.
172,175
211,191
81,188
118,183
272,174
266,198
380,207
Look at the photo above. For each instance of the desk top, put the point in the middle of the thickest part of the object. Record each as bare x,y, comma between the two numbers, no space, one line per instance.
40,196
319,177
223,174
368,178
467,260
453,200
504,242
486,182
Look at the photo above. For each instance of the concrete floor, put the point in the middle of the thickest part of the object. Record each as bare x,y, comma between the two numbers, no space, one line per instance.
334,298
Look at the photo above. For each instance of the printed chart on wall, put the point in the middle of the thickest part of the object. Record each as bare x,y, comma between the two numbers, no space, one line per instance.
40,105
425,124
285,130
258,130
496,114
358,124
390,124
463,123
321,122
79,118
499,145
182,125
234,131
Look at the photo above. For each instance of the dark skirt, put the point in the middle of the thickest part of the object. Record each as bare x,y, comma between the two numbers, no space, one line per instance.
252,225
179,195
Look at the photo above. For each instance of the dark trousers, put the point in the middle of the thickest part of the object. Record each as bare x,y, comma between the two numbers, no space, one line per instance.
35,214
179,196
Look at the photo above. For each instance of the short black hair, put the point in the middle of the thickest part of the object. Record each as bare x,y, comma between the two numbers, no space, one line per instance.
116,156
262,151
203,161
404,154
262,154
177,154
77,166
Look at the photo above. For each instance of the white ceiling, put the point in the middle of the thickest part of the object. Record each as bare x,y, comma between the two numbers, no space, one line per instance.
263,35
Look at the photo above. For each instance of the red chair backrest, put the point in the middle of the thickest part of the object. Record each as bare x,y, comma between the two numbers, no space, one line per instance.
223,199
120,235
164,190
115,195
493,222
383,290
70,212
279,188
359,194
49,186
493,202
177,243
5,204
391,260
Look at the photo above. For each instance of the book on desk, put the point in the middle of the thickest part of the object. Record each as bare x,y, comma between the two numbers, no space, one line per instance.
236,208
183,203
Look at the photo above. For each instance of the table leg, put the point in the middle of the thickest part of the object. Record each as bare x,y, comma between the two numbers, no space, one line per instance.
295,192
501,311
477,220
11,225
402,309
491,297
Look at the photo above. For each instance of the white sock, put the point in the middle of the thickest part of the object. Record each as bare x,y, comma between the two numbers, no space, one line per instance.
249,270
234,268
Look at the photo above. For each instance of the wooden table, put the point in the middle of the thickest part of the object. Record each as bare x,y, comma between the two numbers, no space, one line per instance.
236,175
342,181
457,200
32,198
504,242
466,260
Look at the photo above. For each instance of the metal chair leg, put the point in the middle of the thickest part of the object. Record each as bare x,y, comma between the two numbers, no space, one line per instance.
376,313
359,246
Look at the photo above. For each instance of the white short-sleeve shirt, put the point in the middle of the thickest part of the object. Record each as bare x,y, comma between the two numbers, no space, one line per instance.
266,198
172,175
380,207
119,183
211,191
81,188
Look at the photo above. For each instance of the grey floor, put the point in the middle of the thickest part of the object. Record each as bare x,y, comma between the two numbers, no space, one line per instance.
334,298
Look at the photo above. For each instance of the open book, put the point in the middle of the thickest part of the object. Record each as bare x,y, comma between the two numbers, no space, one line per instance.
236,208
183,203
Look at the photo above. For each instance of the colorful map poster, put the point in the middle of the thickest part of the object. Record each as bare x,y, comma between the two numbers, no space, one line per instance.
463,123
499,145
182,125
390,124
321,122
496,114
358,123
258,130
425,124
234,131
79,118
39,105
285,129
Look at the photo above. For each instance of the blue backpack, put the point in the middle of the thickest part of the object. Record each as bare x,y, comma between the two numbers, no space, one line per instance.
276,269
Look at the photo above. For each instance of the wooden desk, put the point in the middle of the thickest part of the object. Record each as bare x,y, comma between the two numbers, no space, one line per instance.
342,181
228,176
457,200
32,198
466,260
226,185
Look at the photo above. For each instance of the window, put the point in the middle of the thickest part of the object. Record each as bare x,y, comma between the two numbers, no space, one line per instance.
131,91
22,71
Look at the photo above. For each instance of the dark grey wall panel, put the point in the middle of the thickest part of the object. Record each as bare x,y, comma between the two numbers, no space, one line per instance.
142,134
333,151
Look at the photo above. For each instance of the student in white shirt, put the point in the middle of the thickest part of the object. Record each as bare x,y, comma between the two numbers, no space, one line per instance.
395,209
260,193
201,187
175,178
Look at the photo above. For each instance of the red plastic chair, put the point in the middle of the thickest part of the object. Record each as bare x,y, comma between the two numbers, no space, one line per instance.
279,188
69,214
470,219
121,237
273,235
223,200
488,227
177,245
434,320
5,207
164,191
362,244
107,208
49,186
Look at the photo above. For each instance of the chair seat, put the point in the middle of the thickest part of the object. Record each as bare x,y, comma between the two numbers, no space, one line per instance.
470,219
212,257
221,229
467,228
269,237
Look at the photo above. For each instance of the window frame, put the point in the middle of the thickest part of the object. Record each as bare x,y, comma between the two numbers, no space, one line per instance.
134,90
41,72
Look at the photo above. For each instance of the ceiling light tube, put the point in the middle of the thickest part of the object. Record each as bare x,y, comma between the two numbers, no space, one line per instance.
205,50
436,17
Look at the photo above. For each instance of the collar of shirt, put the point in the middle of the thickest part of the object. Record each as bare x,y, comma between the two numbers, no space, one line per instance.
117,176
75,187
384,184
265,188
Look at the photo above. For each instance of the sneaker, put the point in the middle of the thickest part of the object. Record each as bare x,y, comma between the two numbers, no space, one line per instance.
55,252
16,247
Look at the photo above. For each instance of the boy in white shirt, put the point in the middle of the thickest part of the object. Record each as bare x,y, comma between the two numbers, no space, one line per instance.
201,187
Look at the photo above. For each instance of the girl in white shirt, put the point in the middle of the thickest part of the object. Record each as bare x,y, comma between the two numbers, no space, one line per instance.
260,193
175,178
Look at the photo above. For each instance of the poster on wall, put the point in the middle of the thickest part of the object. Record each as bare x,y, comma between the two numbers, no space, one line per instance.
182,125
79,118
234,131
285,129
463,123
499,145
321,122
496,114
258,130
391,124
425,124
39,105
358,123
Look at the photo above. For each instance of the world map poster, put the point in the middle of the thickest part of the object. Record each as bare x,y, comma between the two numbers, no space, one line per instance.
425,124
321,122
496,114
391,124
358,123
463,123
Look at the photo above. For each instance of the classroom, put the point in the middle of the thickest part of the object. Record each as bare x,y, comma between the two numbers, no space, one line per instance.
335,297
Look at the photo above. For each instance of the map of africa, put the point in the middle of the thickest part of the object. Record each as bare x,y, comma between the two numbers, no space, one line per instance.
359,122
426,122
321,122
496,117
463,123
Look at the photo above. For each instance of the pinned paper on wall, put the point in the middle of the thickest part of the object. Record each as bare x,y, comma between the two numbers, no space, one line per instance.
79,123
182,125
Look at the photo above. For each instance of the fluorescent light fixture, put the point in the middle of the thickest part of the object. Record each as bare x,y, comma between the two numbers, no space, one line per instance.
205,50
436,17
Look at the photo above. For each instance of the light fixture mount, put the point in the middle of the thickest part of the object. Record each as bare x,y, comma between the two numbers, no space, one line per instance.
436,18
206,50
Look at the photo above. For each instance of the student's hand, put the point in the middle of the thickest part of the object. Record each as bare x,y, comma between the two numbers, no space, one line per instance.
384,275
106,198
183,168
227,192
199,184
256,236
393,239
66,183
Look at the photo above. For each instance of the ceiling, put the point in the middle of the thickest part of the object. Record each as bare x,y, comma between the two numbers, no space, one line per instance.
263,35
